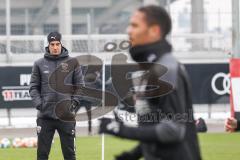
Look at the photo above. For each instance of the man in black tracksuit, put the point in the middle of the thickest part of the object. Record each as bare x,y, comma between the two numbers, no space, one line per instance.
44,87
166,128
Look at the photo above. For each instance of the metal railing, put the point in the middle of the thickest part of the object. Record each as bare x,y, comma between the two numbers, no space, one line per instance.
94,43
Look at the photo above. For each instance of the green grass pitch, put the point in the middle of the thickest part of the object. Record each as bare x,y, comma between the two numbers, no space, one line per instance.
220,146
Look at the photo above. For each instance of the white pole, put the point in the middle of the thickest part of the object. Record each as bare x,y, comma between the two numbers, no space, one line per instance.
89,32
103,84
168,8
26,22
150,2
103,104
103,145
8,30
27,29
65,21
236,28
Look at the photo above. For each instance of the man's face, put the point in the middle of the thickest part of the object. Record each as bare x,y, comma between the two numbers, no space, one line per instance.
55,48
139,31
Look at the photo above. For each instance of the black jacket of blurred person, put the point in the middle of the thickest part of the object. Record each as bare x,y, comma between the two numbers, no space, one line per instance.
168,137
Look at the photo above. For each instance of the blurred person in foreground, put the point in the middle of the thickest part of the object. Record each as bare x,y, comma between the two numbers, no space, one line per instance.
45,99
169,137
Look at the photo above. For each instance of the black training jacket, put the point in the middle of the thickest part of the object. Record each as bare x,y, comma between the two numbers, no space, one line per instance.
47,87
166,128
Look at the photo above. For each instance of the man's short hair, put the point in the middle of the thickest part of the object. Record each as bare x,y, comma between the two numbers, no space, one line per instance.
156,15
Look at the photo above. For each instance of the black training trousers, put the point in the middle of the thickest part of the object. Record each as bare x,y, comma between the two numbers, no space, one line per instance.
45,131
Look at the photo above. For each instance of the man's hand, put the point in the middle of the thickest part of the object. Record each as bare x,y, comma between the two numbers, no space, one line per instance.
230,124
39,107
109,126
73,107
126,156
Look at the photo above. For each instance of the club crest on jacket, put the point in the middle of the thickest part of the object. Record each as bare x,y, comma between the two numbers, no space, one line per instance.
64,67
